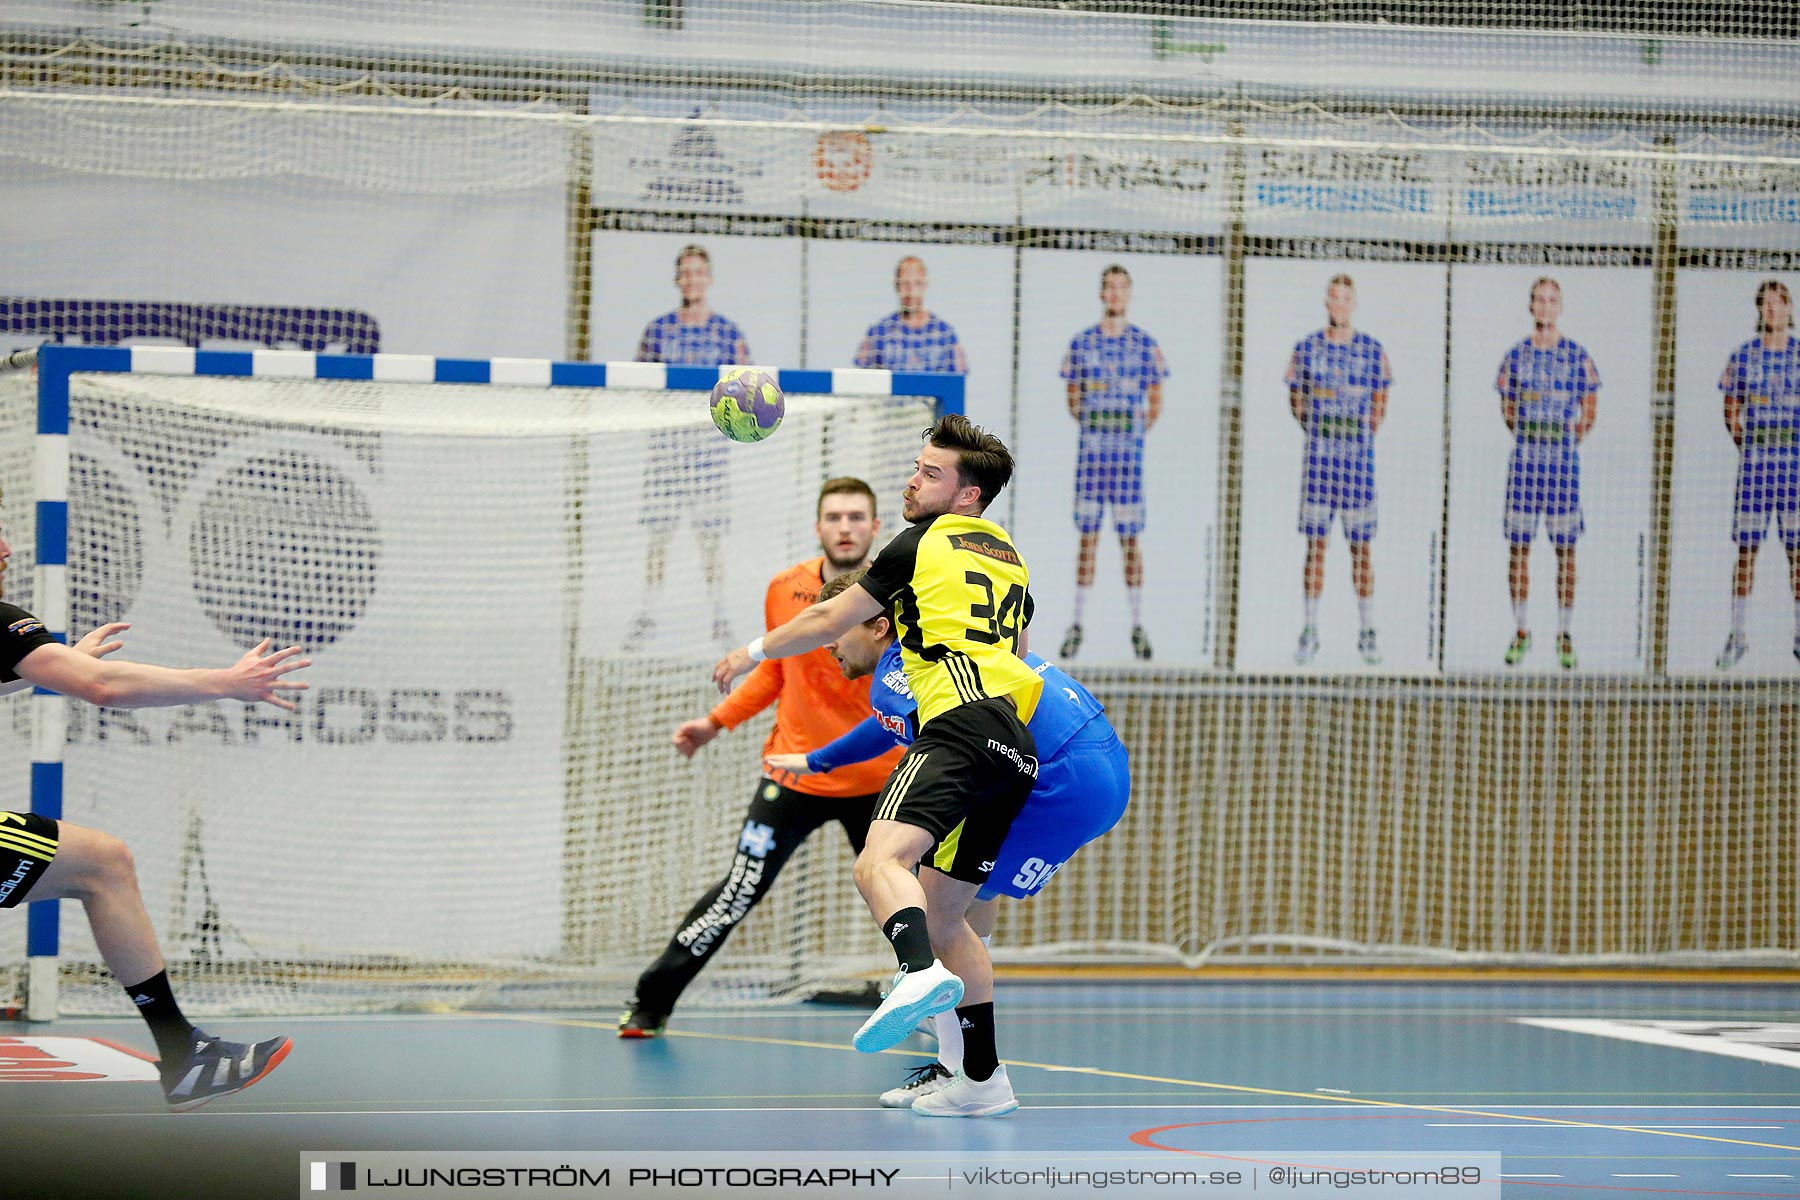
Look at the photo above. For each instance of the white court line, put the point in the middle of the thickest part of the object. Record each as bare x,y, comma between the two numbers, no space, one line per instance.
1530,1125
1729,1175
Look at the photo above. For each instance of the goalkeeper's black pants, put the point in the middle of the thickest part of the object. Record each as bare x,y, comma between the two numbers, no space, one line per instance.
778,820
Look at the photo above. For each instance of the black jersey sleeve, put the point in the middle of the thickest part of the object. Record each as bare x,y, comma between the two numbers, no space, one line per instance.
20,634
893,568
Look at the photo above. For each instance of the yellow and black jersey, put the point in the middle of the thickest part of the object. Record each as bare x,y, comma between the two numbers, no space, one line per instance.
960,595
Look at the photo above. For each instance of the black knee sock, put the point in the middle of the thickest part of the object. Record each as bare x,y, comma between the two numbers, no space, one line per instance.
912,941
980,1058
156,1004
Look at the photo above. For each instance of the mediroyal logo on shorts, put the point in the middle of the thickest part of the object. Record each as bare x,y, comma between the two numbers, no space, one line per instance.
1025,763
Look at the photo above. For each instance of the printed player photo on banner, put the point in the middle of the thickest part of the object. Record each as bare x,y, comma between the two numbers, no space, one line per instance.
751,282
1734,553
1550,376
1343,481
905,307
693,301
1117,444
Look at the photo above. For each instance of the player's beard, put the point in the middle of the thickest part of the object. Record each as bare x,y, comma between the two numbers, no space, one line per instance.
844,564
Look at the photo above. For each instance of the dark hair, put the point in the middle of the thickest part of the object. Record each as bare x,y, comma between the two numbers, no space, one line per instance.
1774,285
982,460
839,584
1114,269
845,485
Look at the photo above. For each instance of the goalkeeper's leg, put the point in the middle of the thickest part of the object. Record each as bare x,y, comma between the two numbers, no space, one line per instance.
777,821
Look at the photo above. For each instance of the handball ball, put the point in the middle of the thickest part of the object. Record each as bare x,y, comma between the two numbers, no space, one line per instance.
747,404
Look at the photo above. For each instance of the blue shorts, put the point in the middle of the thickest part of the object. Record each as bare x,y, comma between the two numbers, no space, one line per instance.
684,475
1081,792
1342,485
1547,488
1768,486
1110,474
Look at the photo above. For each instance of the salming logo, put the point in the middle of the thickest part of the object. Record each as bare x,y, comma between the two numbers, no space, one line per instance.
11,885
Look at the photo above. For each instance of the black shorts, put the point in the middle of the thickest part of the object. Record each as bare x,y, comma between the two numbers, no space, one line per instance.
27,844
964,780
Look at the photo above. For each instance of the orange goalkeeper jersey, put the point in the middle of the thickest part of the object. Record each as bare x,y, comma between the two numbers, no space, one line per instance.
814,703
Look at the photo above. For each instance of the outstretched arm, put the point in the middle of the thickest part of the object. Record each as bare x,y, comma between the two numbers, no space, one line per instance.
75,671
807,630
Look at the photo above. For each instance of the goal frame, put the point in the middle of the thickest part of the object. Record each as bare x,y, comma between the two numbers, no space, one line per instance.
56,364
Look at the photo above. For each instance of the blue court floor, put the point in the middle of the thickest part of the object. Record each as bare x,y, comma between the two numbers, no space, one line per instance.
1622,1089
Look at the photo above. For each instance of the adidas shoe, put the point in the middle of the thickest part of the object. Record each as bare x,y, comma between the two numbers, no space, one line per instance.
963,1097
1071,642
1515,653
920,1081
214,1068
1365,646
1735,648
1565,651
1140,643
1308,649
915,994
639,1021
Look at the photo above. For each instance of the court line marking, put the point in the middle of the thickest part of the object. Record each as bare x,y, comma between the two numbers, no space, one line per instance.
1243,1089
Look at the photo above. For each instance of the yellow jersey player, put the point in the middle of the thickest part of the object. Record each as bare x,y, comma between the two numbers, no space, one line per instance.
960,595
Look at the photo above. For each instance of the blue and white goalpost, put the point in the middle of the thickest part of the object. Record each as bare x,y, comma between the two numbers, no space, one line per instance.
476,798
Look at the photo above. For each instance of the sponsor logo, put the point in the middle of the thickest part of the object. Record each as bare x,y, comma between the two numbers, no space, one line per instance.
757,839
1034,873
25,626
20,872
899,928
894,725
843,160
1024,762
895,680
696,171
140,1000
734,900
985,544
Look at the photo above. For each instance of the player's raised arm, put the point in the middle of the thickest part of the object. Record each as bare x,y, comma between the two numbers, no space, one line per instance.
809,630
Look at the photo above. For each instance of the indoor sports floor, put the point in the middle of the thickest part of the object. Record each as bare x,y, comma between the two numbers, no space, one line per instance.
1709,1107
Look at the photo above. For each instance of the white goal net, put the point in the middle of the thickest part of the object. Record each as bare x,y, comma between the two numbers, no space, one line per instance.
476,802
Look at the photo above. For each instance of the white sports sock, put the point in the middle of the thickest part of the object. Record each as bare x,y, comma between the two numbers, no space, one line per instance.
1519,614
1740,608
1565,619
1081,595
950,1040
1311,605
1135,597
1365,611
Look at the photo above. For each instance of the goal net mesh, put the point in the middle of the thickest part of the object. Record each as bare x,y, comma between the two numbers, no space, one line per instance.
476,802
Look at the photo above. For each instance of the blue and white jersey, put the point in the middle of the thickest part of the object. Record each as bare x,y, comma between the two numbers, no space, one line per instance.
1546,388
1767,384
1062,711
1338,381
893,345
717,341
1115,375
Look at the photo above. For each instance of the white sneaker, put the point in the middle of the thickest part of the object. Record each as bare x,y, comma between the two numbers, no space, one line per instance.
963,1097
1308,649
921,1081
914,995
1733,652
